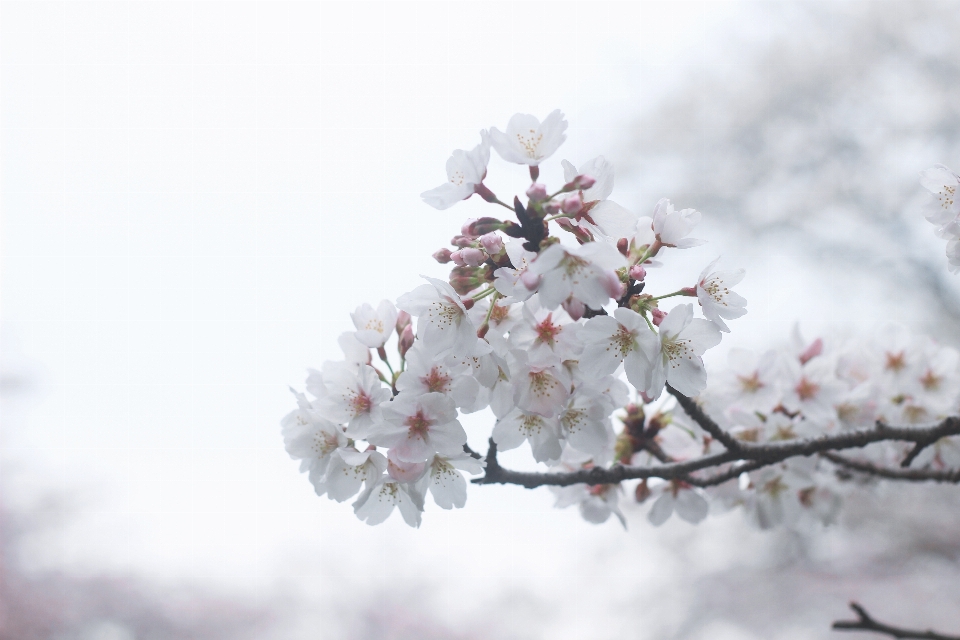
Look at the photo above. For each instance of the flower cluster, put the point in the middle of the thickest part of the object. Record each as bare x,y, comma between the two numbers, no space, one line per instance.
943,209
801,391
547,321
541,314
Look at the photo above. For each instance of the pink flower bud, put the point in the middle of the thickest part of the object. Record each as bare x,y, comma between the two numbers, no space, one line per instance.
551,208
574,308
457,258
491,243
465,229
637,272
461,241
403,321
689,291
442,256
472,257
530,280
623,246
811,352
658,316
612,285
406,340
537,192
572,204
479,226
584,182
404,471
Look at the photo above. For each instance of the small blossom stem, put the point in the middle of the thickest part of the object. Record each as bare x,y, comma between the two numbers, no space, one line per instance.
866,622
651,251
502,204
483,294
681,292
558,216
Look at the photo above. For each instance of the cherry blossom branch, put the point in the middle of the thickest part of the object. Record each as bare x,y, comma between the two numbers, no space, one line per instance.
752,456
865,622
706,422
914,475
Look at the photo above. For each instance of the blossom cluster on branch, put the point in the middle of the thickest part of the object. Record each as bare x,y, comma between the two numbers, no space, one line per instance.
547,320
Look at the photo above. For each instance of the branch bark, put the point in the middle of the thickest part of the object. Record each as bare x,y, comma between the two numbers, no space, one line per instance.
865,622
746,456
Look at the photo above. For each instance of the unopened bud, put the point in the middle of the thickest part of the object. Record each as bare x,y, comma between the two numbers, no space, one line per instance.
403,471
612,285
512,229
572,204
637,272
689,291
623,246
583,236
403,321
483,192
442,256
551,208
461,241
642,492
574,308
658,316
580,182
811,352
457,258
584,181
479,226
534,172
472,257
530,280
468,303
537,192
491,243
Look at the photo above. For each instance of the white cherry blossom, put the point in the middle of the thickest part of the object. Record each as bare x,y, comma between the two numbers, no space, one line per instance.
538,388
584,421
442,320
716,299
676,497
465,170
310,438
419,426
585,273
598,213
349,469
547,336
374,326
626,337
672,227
676,356
943,184
425,373
518,426
527,140
353,398
596,502
510,282
447,485
377,503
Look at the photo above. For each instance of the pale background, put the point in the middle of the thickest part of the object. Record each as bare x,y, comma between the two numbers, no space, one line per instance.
196,195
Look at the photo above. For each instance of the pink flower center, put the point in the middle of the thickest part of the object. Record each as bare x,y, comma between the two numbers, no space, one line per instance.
360,403
436,381
751,384
806,389
547,332
896,361
418,425
930,381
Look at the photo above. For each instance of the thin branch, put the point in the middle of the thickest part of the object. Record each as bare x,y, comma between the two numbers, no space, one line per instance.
914,475
754,456
917,449
706,422
865,622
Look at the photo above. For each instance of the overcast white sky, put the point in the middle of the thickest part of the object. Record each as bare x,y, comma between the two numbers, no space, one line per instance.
196,195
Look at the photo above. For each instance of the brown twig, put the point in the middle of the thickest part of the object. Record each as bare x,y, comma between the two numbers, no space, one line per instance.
706,423
750,456
865,622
